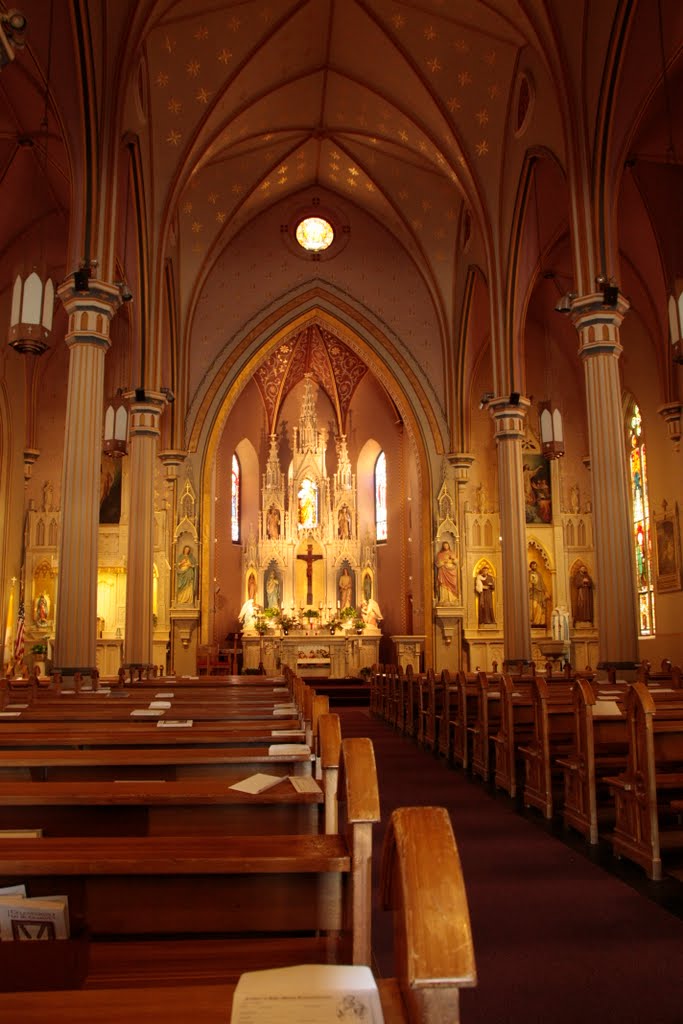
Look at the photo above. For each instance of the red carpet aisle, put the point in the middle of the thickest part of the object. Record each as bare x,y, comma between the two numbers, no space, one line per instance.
557,938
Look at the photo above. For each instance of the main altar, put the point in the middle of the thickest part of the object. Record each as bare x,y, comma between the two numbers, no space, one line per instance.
309,572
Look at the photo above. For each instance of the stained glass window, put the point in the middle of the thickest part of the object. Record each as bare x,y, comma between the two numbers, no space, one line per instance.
235,500
381,496
641,525
314,234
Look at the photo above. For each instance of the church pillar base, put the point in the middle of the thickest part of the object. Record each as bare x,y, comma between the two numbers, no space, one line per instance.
184,644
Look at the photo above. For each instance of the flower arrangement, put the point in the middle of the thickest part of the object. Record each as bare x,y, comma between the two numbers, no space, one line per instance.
311,613
286,622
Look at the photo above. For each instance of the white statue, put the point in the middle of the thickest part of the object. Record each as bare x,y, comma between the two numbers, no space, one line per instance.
248,613
560,624
370,610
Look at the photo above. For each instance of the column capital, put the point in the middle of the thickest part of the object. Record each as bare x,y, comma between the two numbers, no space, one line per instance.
145,411
598,324
171,459
461,463
509,419
89,311
671,414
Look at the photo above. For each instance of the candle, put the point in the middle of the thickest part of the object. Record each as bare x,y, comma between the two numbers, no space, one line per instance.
338,605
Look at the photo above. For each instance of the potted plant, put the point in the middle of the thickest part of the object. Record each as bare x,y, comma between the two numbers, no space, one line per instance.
286,622
334,625
310,614
39,651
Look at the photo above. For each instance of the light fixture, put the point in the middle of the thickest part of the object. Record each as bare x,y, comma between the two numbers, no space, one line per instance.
314,234
115,436
564,304
552,437
12,35
33,302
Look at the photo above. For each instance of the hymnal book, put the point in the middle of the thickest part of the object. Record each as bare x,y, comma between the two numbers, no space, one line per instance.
175,723
280,689
40,918
256,783
146,713
304,784
308,994
286,732
163,704
10,714
288,748
606,708
15,707
158,696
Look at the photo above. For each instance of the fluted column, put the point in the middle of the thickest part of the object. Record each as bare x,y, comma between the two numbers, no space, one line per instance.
509,428
600,349
89,313
143,433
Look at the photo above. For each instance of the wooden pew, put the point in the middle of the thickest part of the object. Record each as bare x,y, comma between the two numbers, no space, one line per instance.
486,724
205,903
433,944
553,718
647,791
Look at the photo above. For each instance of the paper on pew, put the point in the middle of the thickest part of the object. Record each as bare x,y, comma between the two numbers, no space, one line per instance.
164,704
15,707
288,748
286,732
280,689
146,713
607,708
157,696
256,783
304,784
10,714
175,723
308,994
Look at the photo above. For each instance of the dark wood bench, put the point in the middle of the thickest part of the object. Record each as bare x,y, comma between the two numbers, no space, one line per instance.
434,956
208,901
647,792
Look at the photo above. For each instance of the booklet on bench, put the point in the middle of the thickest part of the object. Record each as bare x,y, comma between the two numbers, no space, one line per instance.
307,994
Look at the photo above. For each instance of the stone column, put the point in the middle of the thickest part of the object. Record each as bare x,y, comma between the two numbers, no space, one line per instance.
600,348
143,432
89,313
509,428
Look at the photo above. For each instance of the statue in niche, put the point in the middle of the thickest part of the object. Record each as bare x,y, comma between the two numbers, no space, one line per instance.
480,499
538,597
575,499
42,610
273,523
48,492
582,593
344,522
345,588
446,575
370,610
248,614
186,576
484,585
273,590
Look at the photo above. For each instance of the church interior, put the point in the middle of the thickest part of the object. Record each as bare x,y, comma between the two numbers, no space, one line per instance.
341,333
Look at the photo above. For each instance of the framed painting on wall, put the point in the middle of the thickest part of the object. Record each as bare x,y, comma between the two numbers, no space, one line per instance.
537,495
668,551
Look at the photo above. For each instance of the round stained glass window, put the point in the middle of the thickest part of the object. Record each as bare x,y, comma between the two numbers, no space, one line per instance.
314,234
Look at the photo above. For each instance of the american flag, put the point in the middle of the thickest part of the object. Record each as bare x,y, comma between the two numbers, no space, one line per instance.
19,639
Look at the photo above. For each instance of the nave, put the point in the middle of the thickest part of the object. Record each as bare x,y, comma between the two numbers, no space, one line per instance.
558,935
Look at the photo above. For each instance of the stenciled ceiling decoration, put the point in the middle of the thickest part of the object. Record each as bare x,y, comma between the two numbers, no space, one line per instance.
318,351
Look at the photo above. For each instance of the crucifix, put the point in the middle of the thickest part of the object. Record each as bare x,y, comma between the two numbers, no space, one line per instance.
309,559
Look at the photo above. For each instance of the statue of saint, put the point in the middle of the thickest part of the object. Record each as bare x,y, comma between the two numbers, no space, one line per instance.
345,588
248,613
370,610
273,590
484,585
308,504
538,596
446,575
186,576
273,523
344,521
582,592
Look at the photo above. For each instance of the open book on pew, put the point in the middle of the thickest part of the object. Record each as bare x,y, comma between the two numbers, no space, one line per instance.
26,919
307,994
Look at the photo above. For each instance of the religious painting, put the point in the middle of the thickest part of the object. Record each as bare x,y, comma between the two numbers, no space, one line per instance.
110,490
308,504
537,494
667,548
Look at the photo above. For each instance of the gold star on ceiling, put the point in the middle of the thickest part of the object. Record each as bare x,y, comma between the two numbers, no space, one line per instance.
162,79
465,78
202,33
237,189
369,186
403,194
482,116
494,92
403,135
398,21
234,24
224,55
174,106
213,198
429,33
352,182
490,58
202,96
220,216
173,137
454,104
426,205
265,186
434,64
482,148
461,46
187,208
353,171
192,68
196,227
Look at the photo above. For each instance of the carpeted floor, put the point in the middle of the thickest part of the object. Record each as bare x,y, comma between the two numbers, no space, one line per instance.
557,936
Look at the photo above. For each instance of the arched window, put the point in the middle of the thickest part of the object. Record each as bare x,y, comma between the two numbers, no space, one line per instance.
235,496
381,496
641,524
